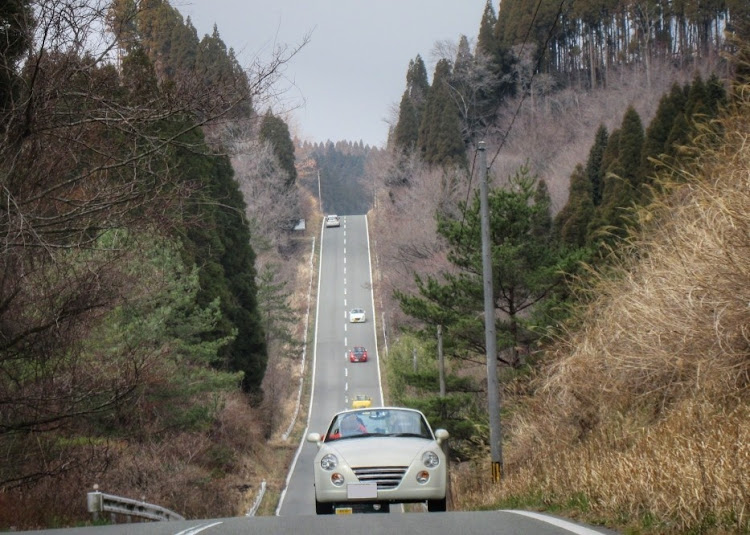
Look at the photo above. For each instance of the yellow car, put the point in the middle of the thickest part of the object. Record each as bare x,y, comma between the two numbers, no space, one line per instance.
361,401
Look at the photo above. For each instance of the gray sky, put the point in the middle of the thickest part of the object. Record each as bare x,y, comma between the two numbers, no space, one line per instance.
344,83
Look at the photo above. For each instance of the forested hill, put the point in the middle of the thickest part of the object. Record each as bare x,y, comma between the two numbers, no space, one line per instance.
131,318
534,50
341,168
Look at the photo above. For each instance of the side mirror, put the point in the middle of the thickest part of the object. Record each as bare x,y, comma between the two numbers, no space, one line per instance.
314,438
441,435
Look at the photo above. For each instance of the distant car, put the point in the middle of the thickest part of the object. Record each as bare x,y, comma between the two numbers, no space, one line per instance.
361,401
357,315
358,354
370,458
333,221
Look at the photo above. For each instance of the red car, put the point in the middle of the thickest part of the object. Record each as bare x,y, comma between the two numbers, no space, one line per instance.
358,354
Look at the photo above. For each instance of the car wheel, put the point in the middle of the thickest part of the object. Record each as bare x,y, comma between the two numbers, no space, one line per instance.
322,508
436,506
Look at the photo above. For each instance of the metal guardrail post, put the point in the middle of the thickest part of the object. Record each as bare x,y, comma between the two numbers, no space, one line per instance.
94,504
99,502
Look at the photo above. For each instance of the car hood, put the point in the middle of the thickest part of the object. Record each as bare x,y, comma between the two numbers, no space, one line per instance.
395,451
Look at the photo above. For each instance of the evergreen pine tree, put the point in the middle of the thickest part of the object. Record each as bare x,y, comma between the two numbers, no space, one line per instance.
527,265
276,132
407,128
595,164
248,352
412,105
609,162
542,220
572,222
716,95
623,179
273,302
486,42
16,21
679,135
417,83
184,47
631,147
217,239
697,101
657,133
440,141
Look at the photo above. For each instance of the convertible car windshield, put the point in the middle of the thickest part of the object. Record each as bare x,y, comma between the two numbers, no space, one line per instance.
378,422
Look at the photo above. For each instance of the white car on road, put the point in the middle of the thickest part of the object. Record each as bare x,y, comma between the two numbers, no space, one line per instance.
333,221
357,315
370,458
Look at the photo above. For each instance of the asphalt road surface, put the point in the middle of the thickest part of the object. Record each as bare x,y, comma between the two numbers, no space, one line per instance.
344,283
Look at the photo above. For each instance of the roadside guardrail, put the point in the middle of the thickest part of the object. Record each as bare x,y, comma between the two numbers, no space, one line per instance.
99,502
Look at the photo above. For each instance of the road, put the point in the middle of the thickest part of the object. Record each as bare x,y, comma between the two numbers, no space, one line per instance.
344,283
465,523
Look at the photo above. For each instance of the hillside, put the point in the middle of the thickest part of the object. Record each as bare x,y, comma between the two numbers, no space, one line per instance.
636,414
640,414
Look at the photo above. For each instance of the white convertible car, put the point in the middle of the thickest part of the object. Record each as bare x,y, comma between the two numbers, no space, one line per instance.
357,315
371,458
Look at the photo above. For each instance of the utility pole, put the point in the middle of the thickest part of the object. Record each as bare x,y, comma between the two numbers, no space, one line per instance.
320,197
441,360
493,391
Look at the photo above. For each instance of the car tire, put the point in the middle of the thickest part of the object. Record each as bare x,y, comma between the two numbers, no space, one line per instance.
436,506
323,508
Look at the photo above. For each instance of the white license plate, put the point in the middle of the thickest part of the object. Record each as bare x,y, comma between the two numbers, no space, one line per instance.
356,491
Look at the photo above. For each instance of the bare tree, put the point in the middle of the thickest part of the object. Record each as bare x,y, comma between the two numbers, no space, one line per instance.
87,147
271,205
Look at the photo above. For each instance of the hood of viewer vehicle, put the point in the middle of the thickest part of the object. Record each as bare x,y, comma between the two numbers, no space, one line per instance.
381,451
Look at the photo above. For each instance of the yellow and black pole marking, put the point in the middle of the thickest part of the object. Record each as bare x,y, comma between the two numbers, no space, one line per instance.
497,472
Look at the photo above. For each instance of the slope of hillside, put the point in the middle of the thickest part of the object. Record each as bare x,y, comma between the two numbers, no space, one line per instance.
641,418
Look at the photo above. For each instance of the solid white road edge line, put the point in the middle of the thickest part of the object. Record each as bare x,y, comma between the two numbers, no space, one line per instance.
312,390
197,529
560,523
374,315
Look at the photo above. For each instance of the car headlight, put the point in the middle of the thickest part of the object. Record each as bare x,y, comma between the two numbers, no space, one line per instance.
329,462
430,459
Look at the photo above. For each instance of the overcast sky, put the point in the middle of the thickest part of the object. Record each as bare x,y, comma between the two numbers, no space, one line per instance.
344,83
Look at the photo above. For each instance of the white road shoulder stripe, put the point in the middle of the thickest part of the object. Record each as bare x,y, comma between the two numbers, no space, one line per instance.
560,523
197,529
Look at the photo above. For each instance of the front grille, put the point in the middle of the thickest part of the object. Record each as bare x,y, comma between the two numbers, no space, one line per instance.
387,477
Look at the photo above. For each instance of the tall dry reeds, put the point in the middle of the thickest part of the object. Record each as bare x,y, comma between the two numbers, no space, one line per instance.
644,413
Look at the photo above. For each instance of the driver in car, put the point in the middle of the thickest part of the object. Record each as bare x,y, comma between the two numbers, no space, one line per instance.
351,425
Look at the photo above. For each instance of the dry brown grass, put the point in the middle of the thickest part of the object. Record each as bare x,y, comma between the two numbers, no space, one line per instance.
644,413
